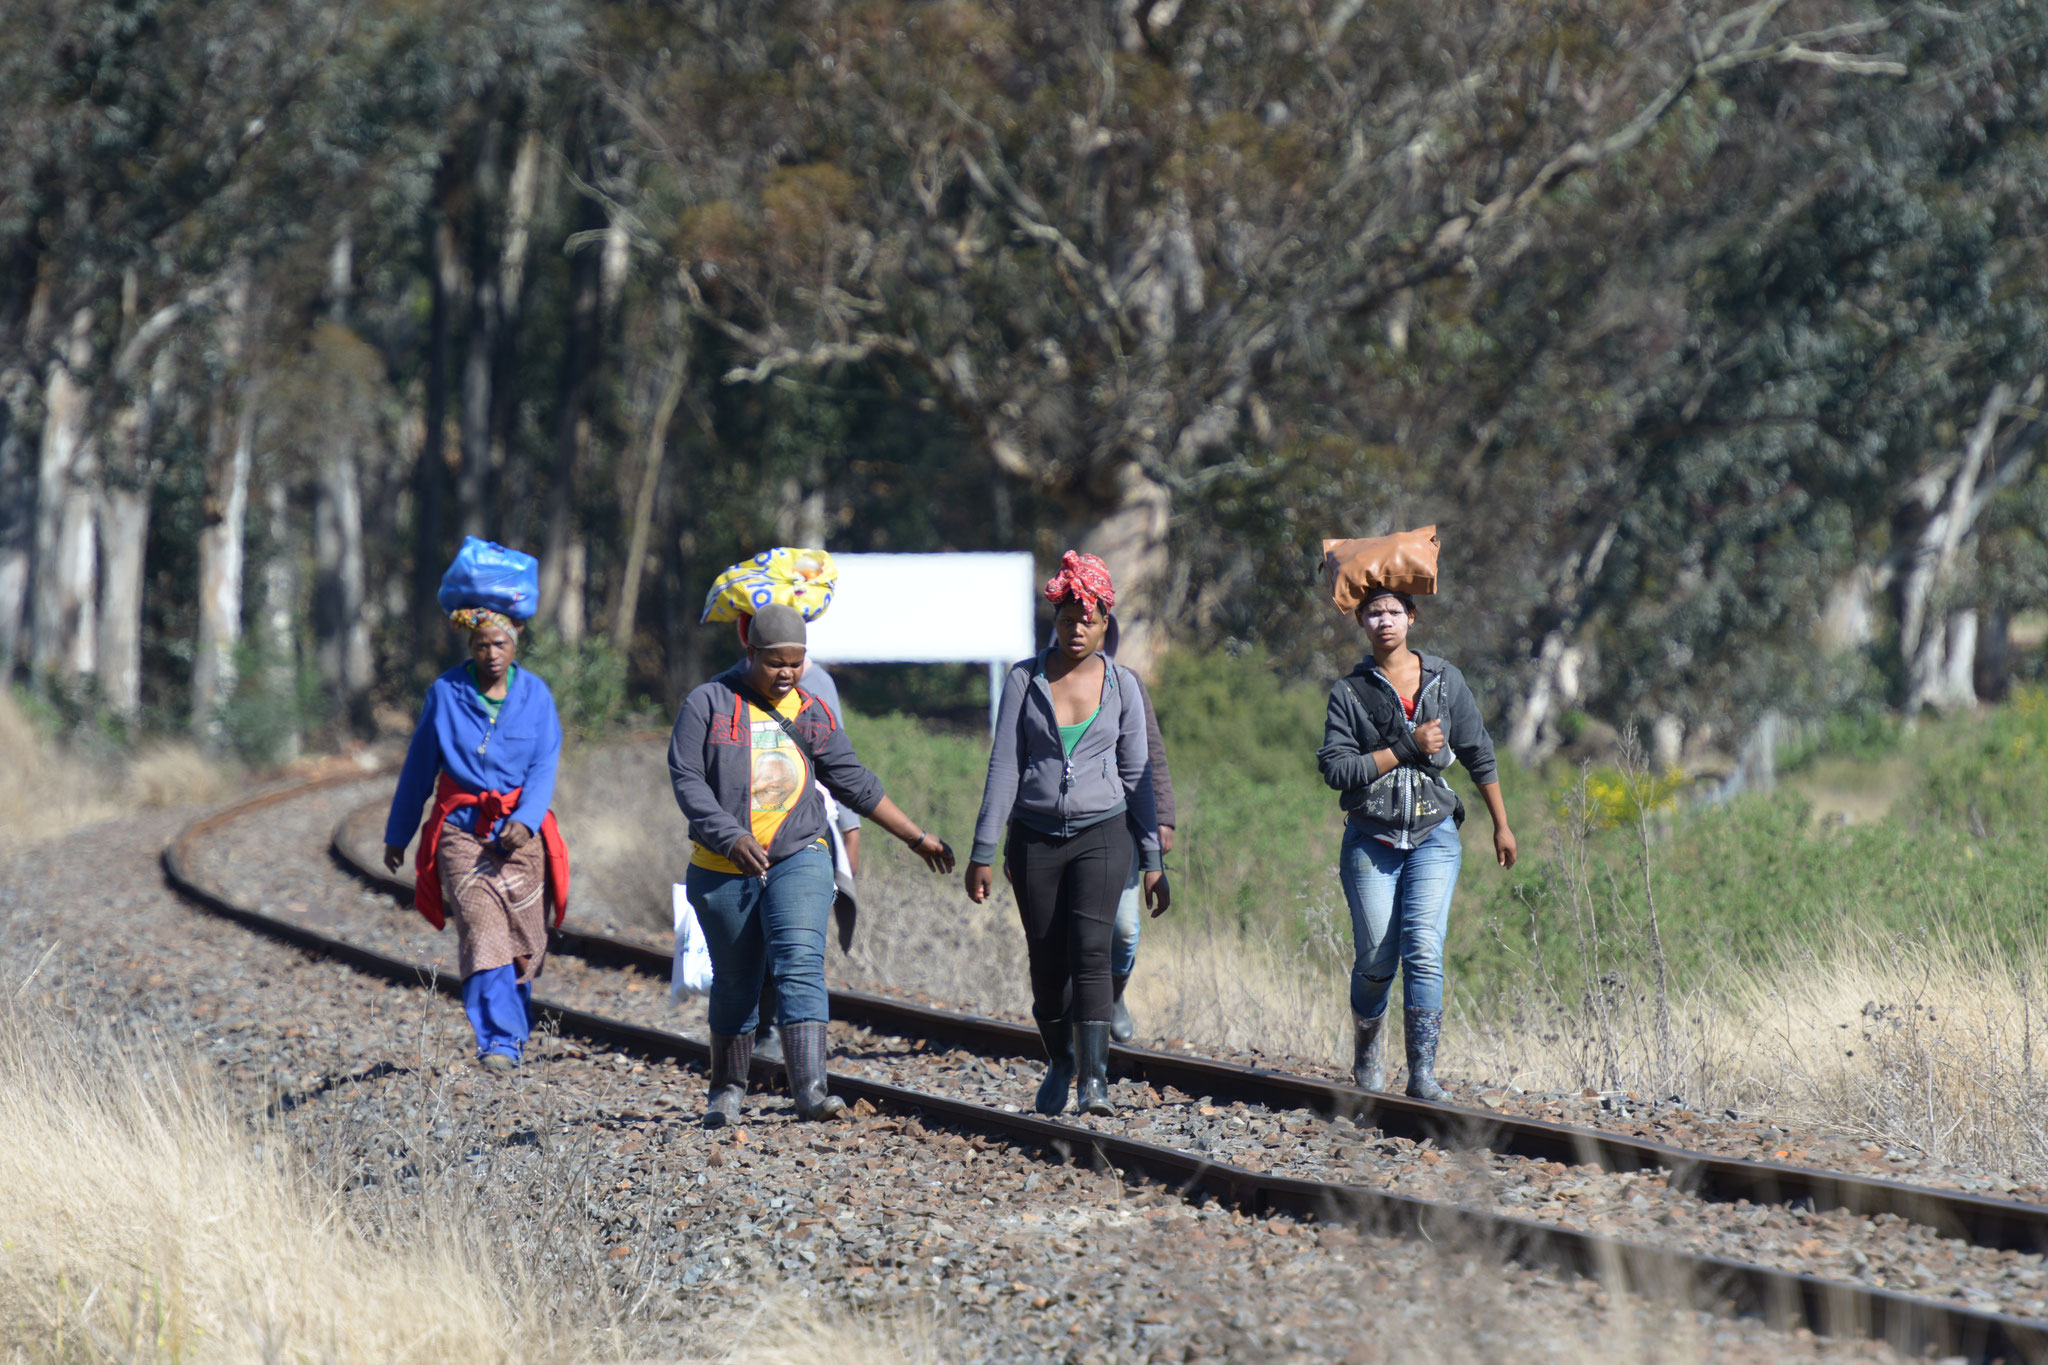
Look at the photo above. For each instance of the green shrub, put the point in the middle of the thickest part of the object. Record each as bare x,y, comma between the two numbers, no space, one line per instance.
588,680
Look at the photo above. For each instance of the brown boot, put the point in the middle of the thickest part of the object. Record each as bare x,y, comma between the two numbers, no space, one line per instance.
732,1057
803,1050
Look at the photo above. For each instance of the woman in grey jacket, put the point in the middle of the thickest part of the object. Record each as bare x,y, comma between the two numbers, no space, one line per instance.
746,757
1392,728
1069,797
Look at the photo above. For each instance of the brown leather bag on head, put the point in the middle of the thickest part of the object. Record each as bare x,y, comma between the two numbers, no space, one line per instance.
1403,562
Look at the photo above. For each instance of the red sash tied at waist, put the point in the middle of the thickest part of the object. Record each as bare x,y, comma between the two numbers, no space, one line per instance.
491,807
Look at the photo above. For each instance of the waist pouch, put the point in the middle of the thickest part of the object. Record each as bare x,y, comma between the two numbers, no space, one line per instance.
1405,798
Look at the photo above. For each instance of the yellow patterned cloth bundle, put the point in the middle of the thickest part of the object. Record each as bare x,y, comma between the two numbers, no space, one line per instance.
789,577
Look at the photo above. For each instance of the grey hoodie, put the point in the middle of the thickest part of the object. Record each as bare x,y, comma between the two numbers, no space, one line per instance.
1408,801
1032,779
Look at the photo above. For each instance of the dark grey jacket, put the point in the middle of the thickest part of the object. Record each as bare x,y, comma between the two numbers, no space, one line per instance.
1409,800
1032,780
1162,773
711,764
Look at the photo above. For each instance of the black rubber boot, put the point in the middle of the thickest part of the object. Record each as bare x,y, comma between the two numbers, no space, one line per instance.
1121,1026
1059,1075
1368,1059
767,1043
731,1056
803,1048
1091,1065
1421,1029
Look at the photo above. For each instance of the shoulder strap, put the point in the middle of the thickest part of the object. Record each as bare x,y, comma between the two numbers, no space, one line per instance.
754,699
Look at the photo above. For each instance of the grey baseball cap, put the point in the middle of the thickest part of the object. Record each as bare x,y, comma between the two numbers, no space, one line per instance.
775,625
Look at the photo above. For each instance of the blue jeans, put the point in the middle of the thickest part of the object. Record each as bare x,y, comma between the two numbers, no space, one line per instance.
1400,902
754,923
500,1010
1123,943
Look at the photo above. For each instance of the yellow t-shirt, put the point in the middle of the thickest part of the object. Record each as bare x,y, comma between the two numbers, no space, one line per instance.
781,776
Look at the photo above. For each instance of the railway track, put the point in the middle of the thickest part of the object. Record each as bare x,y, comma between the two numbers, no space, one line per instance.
1784,1298
1997,1224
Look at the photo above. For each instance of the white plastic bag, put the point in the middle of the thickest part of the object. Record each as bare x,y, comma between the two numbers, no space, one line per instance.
692,971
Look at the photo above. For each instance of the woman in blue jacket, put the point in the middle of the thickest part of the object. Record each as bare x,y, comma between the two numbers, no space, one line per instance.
1392,729
1069,800
486,749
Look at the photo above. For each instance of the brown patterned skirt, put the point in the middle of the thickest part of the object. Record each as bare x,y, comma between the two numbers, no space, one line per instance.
499,905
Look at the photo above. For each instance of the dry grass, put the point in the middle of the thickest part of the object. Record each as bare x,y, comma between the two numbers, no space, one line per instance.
1929,1044
49,790
144,1221
1933,1044
44,795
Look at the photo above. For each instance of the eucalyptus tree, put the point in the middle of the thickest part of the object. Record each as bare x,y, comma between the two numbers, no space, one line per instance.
1104,232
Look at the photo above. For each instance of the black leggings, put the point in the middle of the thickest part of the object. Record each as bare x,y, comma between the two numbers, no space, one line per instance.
1067,890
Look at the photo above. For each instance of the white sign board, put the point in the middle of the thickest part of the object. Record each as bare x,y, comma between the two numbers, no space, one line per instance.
931,609
928,609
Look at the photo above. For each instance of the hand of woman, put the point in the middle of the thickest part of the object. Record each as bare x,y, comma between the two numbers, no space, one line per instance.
937,854
748,855
511,835
394,857
1429,737
981,879
1504,845
1158,894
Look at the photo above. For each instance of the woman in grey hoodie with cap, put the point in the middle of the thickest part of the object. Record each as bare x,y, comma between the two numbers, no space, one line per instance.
1069,800
1392,728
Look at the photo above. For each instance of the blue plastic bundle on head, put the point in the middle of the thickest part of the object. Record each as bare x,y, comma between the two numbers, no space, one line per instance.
486,574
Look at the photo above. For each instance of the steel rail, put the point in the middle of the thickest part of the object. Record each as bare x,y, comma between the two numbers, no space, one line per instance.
1998,1224
1784,1299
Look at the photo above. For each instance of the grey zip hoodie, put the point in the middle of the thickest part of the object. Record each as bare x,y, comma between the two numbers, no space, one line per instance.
1408,801
1031,778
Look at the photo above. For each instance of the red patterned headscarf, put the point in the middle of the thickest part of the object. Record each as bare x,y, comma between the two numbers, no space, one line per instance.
1083,578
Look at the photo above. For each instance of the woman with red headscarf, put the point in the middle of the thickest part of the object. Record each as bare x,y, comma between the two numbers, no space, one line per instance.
1069,798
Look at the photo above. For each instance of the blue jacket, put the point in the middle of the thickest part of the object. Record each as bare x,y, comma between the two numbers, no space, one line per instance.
521,750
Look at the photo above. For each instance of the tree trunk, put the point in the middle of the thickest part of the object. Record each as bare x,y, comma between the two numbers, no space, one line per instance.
340,628
279,635
221,542
1132,539
431,551
1934,528
17,524
512,515
664,410
123,531
562,552
1558,681
1992,672
66,552
232,431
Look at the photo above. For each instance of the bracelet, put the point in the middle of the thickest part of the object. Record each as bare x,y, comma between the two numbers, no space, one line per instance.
921,836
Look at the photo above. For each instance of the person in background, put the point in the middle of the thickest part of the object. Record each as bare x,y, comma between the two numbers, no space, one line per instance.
486,747
1393,725
1069,795
760,878
1123,948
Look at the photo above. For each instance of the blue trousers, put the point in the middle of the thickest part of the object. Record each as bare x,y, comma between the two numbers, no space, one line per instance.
754,923
1400,904
1123,943
500,1010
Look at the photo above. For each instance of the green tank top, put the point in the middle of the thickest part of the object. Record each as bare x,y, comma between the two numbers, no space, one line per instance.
1070,735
